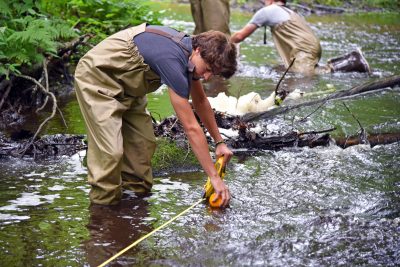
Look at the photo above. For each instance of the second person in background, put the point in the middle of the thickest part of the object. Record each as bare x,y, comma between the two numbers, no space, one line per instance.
294,38
210,15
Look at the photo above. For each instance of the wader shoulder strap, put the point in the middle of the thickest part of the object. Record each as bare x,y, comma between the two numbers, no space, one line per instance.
177,38
265,34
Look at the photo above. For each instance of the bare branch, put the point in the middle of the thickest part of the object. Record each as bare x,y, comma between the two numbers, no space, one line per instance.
283,76
5,84
23,151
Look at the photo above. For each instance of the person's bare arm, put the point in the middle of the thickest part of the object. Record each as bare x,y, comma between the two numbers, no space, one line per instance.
207,117
198,143
245,32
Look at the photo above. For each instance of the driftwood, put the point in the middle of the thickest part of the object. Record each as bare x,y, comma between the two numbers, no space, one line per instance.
372,140
253,141
54,146
247,140
367,87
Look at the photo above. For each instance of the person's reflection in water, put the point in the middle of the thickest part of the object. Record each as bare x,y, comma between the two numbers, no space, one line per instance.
113,228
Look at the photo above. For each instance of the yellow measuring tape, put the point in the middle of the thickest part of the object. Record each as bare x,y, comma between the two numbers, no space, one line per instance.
149,234
208,190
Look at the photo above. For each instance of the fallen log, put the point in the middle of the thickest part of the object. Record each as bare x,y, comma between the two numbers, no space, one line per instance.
55,146
293,139
171,128
372,140
248,140
389,82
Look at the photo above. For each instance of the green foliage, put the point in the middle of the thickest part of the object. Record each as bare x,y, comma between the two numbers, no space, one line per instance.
101,17
389,4
28,35
31,30
360,4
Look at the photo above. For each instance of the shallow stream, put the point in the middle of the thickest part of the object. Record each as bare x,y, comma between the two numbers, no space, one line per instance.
321,206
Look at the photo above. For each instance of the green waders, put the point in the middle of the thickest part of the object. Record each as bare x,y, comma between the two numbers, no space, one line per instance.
295,39
111,83
210,15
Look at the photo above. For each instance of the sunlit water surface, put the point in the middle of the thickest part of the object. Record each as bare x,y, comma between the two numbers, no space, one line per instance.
295,207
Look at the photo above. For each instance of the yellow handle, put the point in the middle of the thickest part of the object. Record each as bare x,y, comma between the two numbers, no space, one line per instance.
219,166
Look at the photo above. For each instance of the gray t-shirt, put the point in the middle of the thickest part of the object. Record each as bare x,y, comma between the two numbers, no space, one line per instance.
270,16
167,58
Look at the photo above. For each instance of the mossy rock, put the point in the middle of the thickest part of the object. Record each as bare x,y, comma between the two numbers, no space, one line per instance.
171,156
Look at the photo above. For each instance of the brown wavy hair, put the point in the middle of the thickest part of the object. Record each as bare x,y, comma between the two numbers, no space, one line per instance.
217,51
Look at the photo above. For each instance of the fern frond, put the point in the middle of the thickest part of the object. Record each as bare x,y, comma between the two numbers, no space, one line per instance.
4,8
63,30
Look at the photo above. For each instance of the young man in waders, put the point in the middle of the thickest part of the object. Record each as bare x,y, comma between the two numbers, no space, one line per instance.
111,83
293,38
210,15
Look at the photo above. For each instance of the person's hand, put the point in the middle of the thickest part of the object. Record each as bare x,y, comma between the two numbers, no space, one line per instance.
220,187
223,150
221,190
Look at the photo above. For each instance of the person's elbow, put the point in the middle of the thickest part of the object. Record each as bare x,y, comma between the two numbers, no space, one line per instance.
193,130
243,33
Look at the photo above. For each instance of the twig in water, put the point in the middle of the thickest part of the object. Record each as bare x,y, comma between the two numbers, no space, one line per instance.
306,117
319,132
283,76
363,133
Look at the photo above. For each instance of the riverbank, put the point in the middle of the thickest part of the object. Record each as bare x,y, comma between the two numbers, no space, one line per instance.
319,7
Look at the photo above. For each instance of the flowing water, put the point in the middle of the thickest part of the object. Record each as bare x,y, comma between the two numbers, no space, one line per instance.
319,206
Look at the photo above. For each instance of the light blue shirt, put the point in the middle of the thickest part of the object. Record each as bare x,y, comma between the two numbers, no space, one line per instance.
270,16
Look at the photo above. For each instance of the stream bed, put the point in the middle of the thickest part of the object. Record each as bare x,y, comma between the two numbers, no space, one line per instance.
323,206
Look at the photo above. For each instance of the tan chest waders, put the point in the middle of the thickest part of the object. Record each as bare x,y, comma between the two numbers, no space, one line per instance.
210,15
295,39
111,83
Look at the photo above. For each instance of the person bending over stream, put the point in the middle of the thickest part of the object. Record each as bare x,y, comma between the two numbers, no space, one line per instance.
111,83
293,38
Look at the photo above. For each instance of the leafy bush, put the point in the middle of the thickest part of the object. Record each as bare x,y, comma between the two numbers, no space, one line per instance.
31,30
28,35
101,17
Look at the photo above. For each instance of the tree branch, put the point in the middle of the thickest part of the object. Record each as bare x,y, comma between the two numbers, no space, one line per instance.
23,151
366,87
